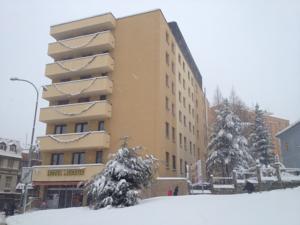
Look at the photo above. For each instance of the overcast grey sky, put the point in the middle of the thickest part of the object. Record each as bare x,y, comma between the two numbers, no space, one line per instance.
253,46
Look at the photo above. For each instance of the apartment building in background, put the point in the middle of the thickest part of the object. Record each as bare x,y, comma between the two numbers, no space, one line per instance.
10,161
274,125
115,77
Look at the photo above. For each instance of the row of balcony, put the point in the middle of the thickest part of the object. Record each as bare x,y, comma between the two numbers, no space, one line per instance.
75,112
83,26
96,64
74,141
83,88
83,45
63,173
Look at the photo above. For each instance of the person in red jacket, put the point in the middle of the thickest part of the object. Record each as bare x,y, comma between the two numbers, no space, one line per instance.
169,193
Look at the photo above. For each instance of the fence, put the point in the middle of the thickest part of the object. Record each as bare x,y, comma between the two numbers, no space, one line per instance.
264,178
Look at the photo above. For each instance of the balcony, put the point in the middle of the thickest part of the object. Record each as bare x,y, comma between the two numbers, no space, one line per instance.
83,26
74,141
75,112
95,64
57,173
84,45
82,88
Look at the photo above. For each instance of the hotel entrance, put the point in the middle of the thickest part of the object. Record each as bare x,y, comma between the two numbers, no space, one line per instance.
63,197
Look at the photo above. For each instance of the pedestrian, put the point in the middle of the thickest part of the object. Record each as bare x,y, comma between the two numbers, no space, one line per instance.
5,209
249,187
169,193
175,193
12,208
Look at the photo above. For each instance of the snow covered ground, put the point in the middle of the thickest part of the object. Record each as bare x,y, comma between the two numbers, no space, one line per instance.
268,208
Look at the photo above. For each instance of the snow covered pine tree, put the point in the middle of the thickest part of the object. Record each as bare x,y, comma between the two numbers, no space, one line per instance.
227,149
121,180
261,147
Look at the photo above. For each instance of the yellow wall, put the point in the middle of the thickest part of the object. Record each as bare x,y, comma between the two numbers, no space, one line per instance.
139,92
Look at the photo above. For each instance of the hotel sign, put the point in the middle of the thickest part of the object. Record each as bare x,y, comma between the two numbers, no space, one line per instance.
66,172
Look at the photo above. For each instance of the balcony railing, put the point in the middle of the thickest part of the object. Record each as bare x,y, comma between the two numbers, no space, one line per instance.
83,26
55,173
74,141
82,88
74,112
83,45
80,66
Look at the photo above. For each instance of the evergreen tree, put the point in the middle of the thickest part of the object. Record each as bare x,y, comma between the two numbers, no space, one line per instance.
261,147
122,179
228,147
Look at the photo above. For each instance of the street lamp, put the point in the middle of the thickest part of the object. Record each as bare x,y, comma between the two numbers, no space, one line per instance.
32,136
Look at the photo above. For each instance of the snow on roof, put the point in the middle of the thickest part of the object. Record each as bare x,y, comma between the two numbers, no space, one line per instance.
287,128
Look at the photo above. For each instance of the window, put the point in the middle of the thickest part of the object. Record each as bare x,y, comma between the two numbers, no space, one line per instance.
194,148
63,102
190,126
189,108
185,143
1,163
101,126
3,146
103,97
180,116
105,74
57,159
81,127
10,163
180,164
179,96
13,148
173,135
173,109
83,100
99,156
8,180
167,130
189,92
184,121
78,158
85,77
183,66
167,37
179,58
189,77
167,103
174,162
183,83
193,129
167,80
173,88
173,67
167,59
185,167
167,159
184,102
179,77
60,129
180,139
173,47
190,147
198,134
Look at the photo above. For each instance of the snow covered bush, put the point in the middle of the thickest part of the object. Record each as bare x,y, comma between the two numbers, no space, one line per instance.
261,147
227,150
122,179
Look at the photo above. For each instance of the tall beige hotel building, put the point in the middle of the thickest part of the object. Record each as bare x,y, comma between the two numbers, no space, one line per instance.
114,77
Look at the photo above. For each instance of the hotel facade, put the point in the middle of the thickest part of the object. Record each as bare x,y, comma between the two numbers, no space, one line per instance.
132,76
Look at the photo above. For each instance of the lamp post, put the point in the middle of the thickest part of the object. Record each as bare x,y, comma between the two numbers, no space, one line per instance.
32,136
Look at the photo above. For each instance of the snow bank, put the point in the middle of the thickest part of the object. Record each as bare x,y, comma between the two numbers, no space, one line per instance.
275,208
